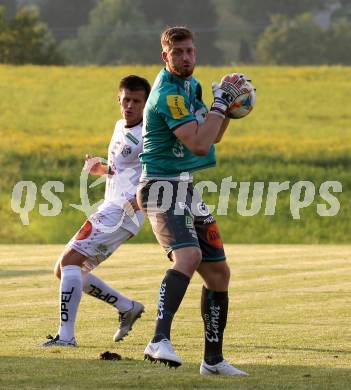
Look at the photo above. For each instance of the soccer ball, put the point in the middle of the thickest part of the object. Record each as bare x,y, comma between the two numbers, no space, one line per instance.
244,103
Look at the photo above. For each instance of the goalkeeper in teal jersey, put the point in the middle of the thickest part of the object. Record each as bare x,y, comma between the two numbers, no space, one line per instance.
173,102
179,133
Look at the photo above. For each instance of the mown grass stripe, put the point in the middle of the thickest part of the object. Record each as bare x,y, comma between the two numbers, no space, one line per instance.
279,334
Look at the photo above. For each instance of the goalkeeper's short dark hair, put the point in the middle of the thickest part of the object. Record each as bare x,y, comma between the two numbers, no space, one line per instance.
135,83
175,34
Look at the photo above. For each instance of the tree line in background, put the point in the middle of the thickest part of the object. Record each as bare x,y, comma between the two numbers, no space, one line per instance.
125,32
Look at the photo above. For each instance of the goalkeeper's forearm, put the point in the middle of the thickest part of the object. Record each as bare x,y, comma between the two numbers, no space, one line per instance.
222,130
199,137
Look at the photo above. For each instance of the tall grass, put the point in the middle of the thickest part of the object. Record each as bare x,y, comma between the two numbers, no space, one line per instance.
300,129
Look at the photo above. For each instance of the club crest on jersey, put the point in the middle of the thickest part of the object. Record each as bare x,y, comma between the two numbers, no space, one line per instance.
126,150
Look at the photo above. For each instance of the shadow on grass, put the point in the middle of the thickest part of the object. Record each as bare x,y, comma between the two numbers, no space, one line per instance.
14,273
61,369
290,348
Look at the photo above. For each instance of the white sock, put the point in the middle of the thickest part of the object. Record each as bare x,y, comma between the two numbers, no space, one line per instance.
97,288
70,295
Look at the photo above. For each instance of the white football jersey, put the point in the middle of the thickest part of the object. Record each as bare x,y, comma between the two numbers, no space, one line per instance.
123,152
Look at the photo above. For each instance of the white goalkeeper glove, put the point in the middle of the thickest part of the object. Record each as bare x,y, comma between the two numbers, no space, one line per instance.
226,92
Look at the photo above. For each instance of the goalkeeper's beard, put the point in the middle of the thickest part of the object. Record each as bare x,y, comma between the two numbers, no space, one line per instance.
183,72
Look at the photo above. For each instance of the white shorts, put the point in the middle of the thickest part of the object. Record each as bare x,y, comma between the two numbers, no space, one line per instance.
103,233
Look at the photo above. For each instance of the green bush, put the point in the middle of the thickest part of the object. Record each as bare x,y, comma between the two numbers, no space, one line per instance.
116,34
291,41
300,41
338,43
25,40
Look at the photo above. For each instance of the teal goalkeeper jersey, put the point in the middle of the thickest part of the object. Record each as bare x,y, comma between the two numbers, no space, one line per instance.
172,103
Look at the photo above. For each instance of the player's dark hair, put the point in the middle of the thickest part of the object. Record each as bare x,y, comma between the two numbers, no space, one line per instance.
175,34
135,83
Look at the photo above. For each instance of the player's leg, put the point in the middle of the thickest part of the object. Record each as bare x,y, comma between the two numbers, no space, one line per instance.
71,286
215,273
173,288
175,236
108,234
99,289
129,310
214,310
87,249
171,293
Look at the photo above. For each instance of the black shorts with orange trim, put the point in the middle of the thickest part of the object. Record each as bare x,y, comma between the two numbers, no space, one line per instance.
179,218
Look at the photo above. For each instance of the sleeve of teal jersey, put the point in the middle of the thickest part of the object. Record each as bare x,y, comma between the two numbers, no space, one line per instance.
174,108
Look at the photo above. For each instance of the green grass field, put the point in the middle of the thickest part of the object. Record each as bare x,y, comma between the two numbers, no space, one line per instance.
300,129
289,321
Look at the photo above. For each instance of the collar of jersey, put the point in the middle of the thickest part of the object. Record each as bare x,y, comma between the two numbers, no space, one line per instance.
174,78
131,127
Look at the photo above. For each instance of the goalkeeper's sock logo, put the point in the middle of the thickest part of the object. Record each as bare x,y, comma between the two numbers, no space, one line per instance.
161,301
212,324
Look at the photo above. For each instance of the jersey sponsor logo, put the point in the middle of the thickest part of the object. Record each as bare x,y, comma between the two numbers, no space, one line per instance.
84,231
127,150
176,106
213,236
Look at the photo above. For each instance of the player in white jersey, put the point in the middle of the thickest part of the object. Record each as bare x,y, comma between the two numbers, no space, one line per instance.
116,221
